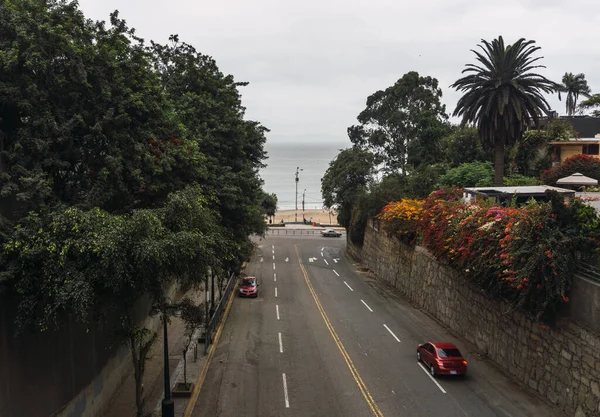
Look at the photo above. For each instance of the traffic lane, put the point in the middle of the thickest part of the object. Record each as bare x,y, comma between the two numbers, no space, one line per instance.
244,378
319,381
485,390
398,384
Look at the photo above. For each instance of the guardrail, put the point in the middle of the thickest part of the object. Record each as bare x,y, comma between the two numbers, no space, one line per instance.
294,232
589,271
217,315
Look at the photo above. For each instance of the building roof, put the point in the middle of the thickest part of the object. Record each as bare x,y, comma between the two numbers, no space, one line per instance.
576,141
585,126
527,190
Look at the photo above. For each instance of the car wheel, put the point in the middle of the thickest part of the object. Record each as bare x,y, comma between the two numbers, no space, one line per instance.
418,356
431,370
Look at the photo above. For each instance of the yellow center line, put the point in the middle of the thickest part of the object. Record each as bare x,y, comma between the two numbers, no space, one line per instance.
355,374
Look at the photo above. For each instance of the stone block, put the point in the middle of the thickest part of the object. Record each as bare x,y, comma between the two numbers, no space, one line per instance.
595,388
579,412
565,354
533,384
590,360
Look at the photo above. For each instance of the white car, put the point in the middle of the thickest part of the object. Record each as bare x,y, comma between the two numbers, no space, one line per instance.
330,233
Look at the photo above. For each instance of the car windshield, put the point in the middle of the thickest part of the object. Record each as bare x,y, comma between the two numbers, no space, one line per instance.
449,353
248,283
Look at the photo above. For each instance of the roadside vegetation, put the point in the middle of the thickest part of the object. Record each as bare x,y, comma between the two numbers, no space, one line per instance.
125,167
408,164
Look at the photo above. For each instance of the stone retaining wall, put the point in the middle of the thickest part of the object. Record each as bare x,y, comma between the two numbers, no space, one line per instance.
561,364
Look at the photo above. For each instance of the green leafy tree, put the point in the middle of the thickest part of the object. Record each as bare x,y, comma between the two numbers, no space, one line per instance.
193,315
269,204
469,174
573,85
350,172
591,103
208,104
402,124
465,145
503,95
423,180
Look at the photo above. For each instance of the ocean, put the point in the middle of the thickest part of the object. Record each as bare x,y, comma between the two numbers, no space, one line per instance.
312,158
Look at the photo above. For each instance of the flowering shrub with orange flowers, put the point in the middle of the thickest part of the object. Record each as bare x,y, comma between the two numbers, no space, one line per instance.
402,218
522,255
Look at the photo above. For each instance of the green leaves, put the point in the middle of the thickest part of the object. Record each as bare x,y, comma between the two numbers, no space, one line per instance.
502,96
123,167
402,124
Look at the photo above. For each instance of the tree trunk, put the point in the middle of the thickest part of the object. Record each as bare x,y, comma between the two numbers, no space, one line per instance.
138,374
185,366
499,161
212,292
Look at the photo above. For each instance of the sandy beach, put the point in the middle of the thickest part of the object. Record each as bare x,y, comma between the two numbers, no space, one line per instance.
319,216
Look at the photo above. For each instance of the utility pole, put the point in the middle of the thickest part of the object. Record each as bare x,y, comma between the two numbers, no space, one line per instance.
303,219
168,406
298,169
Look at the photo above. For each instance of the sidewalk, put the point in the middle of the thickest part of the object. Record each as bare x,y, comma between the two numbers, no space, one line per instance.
123,404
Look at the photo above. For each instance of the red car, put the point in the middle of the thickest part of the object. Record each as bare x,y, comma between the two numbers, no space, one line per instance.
249,287
442,358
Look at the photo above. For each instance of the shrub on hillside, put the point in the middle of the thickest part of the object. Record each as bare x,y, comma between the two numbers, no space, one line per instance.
584,164
470,174
522,255
401,219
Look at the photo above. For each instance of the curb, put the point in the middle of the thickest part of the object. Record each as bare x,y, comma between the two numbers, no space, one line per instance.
198,386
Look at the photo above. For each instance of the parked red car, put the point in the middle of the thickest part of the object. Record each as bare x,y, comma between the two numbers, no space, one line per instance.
442,358
249,287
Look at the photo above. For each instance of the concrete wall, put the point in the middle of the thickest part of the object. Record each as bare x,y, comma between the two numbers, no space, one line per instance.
561,364
72,372
584,307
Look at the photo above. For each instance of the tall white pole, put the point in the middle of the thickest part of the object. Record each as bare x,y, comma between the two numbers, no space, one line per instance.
297,170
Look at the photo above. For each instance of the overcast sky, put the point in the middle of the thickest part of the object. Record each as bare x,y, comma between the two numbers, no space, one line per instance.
311,64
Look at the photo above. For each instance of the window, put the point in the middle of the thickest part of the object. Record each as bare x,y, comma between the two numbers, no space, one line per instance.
591,149
449,353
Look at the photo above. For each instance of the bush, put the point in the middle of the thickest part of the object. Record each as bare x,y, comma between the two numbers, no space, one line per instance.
522,255
471,174
519,180
584,164
401,219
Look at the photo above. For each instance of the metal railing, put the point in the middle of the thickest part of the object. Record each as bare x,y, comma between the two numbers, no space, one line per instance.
292,232
217,315
589,271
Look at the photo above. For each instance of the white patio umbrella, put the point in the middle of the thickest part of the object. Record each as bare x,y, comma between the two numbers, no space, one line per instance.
577,179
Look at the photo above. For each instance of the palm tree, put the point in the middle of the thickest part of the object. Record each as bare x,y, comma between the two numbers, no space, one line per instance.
502,95
590,103
573,85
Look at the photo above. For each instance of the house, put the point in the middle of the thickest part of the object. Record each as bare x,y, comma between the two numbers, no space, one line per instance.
575,146
505,195
585,126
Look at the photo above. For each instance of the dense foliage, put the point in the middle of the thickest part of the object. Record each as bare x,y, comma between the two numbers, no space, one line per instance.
124,166
403,124
502,94
522,255
469,174
583,164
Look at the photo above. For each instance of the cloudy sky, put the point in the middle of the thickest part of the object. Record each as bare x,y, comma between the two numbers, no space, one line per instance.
311,64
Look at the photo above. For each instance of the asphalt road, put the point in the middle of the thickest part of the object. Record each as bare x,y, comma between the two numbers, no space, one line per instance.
323,339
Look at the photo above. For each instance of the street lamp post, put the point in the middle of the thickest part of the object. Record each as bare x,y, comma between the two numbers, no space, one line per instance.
168,406
298,169
303,194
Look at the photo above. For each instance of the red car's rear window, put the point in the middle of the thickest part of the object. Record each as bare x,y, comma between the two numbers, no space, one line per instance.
449,353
